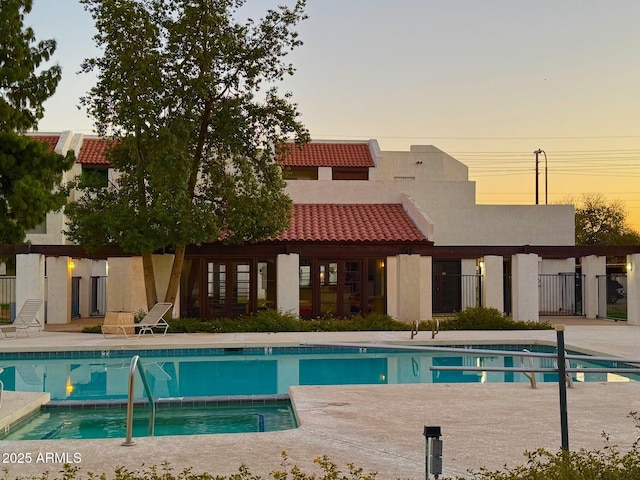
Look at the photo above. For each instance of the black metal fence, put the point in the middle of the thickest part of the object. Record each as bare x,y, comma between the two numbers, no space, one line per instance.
561,294
7,299
98,296
454,292
612,296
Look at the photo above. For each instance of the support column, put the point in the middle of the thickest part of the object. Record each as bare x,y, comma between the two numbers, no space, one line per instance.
411,287
30,281
288,283
524,270
592,267
391,270
162,265
126,285
633,289
59,272
426,288
493,282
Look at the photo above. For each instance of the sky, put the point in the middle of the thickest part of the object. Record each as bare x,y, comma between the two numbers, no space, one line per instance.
488,82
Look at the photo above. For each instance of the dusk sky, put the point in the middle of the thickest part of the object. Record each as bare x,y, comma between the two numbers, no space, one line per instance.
486,81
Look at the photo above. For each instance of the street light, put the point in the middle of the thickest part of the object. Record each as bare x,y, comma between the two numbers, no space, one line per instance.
546,183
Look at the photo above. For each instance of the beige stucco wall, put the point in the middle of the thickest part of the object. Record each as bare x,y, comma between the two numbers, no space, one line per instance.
439,186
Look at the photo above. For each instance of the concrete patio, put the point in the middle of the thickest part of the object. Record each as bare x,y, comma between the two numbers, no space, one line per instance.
378,428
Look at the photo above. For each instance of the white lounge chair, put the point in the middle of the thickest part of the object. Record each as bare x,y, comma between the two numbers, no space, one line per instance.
153,319
26,321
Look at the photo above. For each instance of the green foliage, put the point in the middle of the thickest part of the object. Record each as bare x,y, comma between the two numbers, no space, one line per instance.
483,318
30,184
190,96
31,174
609,463
476,318
599,222
22,90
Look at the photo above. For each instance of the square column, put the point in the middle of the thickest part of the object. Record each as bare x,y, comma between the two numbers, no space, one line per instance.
391,269
633,289
59,272
593,267
524,287
493,282
413,288
126,291
30,281
288,283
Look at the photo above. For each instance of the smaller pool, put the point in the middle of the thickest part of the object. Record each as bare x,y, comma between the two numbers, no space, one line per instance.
55,423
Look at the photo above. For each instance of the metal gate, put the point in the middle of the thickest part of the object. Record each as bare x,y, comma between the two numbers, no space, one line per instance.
455,292
98,296
612,296
7,299
75,297
561,294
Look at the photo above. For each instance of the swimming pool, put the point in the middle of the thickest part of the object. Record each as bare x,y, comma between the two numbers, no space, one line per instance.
221,372
224,375
194,418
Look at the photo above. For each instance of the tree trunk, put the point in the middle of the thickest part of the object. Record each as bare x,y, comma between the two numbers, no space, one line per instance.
149,280
176,272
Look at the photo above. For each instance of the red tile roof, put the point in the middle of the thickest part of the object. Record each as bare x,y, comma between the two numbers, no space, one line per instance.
329,155
351,223
52,140
93,150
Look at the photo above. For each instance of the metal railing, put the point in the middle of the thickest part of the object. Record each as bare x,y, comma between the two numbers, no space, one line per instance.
137,365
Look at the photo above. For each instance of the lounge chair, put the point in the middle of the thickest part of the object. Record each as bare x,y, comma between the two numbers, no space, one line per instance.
153,319
26,321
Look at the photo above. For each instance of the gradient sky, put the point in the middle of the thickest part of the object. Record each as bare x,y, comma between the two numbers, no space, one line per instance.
486,81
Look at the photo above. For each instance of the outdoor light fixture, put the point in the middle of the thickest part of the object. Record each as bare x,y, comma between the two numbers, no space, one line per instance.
629,266
433,451
71,265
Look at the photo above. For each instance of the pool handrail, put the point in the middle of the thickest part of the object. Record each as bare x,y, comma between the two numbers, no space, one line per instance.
137,365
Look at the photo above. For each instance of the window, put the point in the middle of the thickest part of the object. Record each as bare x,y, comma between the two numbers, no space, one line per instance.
350,173
98,177
300,173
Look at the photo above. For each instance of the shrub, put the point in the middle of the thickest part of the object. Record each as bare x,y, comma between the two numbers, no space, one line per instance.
609,463
483,318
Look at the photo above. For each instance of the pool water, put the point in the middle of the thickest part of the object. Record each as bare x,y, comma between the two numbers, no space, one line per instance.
227,375
69,423
104,375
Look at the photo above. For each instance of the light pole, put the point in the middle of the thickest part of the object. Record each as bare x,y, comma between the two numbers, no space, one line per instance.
546,178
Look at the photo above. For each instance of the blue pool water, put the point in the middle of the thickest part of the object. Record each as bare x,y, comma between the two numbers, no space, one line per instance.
186,376
181,373
54,423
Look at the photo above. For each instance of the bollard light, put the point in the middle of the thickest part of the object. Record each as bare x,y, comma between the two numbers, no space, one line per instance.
433,451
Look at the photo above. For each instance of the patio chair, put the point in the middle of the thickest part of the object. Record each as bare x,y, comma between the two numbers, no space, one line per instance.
26,321
153,319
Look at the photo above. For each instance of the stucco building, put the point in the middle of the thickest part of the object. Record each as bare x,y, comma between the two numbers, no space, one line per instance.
371,231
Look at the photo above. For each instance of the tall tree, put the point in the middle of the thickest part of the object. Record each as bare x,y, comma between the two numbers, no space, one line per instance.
188,93
30,174
602,222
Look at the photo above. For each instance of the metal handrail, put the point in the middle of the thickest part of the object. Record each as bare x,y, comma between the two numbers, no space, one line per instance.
136,364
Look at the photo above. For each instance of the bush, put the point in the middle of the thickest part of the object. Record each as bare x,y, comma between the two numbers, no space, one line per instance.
483,318
606,464
475,318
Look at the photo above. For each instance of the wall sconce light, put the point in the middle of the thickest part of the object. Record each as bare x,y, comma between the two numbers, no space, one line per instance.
71,265
629,266
481,265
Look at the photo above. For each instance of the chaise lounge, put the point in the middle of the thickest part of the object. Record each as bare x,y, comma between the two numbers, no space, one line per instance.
26,321
153,319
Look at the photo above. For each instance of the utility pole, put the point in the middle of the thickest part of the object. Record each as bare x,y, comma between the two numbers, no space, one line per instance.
536,153
546,177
